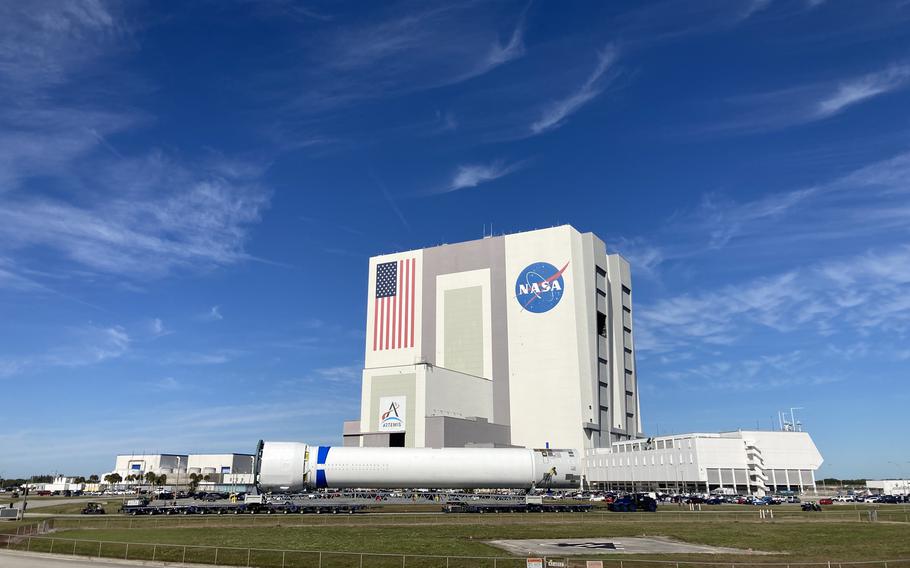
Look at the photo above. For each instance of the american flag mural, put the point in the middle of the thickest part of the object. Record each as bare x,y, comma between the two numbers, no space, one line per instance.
393,310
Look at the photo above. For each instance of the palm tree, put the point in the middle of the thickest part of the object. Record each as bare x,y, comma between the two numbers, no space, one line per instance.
161,479
93,478
113,478
150,477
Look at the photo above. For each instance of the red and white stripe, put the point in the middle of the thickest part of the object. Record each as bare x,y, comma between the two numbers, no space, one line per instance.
393,316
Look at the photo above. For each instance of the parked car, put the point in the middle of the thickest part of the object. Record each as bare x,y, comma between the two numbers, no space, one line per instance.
810,506
826,501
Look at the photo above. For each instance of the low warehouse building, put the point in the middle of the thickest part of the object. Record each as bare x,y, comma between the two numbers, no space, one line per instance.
159,464
217,467
741,462
178,467
889,486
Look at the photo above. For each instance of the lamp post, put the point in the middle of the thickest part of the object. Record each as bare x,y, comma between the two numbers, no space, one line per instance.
177,483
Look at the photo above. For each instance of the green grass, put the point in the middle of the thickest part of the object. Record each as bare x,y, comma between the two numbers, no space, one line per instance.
449,535
110,506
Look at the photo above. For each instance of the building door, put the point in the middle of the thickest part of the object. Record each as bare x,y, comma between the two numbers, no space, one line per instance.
396,440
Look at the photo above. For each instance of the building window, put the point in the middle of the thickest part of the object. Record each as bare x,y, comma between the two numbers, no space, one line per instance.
601,324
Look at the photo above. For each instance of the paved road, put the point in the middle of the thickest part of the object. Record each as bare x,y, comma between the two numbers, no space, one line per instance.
9,559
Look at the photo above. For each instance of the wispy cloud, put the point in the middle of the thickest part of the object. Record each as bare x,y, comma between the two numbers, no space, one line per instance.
344,373
402,50
857,210
472,175
163,217
807,103
158,329
863,88
556,113
217,357
513,49
214,314
822,299
167,384
85,345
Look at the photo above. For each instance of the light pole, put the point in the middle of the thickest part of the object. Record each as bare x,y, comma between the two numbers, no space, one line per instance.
177,483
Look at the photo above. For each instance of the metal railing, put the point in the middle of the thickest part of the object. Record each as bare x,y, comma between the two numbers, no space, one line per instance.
284,558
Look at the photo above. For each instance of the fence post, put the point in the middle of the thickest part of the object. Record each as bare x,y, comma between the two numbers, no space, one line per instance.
74,547
361,560
28,546
52,546
249,554
216,556
283,553
320,559
155,552
126,554
183,559
99,549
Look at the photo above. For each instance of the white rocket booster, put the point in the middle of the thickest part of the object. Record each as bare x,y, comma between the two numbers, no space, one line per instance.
294,466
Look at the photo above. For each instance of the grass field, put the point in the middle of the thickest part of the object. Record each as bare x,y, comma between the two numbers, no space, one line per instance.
451,535
838,534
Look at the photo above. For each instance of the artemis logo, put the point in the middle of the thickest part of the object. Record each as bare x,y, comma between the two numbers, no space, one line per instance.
539,287
392,415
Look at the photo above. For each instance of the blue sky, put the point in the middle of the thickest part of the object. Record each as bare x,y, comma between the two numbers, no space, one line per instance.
189,193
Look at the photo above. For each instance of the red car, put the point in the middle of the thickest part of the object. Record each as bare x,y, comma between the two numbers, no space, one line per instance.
826,501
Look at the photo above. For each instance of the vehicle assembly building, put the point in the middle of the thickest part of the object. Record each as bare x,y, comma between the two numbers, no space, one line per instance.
463,339
509,362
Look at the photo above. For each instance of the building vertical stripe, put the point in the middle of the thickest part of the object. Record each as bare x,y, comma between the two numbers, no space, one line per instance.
401,303
375,320
388,305
394,319
407,272
381,320
413,293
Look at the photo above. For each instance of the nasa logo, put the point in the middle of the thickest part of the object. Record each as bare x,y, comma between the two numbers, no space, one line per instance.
540,286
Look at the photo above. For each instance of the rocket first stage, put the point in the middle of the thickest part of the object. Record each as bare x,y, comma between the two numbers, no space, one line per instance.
290,467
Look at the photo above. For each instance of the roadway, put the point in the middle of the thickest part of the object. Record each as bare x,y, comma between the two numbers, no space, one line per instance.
12,559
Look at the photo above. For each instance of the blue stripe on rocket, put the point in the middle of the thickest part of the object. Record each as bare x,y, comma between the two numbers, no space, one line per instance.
321,455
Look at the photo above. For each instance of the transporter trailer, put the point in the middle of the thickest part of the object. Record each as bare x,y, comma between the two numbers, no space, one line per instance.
254,504
529,504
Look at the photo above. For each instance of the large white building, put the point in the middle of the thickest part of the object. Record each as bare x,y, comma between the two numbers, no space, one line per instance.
741,462
527,340
522,339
